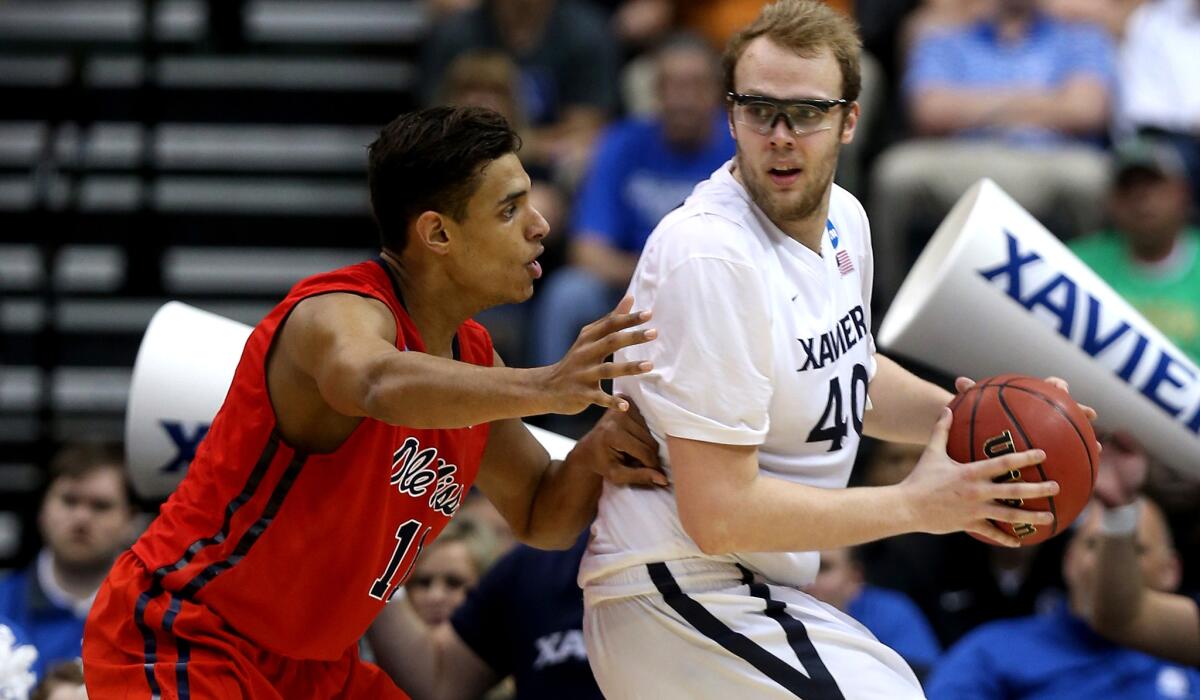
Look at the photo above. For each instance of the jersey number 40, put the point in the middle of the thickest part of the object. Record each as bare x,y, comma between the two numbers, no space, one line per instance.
832,426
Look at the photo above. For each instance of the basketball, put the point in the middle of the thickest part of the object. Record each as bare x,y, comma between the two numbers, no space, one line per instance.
1014,413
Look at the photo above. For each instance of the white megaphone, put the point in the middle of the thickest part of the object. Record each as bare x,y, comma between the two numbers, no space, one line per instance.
182,373
995,292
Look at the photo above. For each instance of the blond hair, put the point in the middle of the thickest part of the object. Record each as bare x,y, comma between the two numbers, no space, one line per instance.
805,27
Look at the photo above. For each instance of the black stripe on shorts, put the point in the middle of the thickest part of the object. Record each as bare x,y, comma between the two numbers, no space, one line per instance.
819,686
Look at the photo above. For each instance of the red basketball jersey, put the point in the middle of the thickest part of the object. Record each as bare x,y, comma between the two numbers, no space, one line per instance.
298,552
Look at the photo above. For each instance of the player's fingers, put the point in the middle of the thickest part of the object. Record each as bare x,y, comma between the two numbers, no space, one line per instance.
1021,490
941,431
634,476
615,341
1089,412
614,402
997,466
1059,383
619,319
997,536
637,424
611,370
1009,514
963,384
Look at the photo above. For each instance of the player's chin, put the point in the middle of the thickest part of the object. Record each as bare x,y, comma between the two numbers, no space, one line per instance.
523,292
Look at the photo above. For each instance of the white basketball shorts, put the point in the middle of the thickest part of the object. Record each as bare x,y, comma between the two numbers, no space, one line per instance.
707,630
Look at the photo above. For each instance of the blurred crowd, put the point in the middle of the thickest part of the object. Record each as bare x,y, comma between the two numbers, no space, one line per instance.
1087,112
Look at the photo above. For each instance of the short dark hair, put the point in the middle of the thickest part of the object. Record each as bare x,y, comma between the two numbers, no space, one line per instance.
62,673
77,460
432,160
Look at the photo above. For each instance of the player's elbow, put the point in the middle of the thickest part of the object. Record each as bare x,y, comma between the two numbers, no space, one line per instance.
709,528
548,538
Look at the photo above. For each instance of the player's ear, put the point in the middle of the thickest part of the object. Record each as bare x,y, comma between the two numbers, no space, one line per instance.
850,122
431,231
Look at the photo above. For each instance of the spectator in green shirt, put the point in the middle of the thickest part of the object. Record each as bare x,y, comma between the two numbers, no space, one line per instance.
1151,255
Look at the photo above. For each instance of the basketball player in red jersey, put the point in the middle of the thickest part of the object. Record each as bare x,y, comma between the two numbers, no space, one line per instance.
363,408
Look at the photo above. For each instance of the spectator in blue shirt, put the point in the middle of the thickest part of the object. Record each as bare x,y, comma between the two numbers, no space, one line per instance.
1022,98
890,615
524,619
86,519
1057,656
642,170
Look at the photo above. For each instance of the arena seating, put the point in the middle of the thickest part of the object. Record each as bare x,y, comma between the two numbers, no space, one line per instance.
212,152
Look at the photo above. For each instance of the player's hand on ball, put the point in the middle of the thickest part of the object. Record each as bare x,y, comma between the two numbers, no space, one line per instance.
946,496
964,384
628,454
574,381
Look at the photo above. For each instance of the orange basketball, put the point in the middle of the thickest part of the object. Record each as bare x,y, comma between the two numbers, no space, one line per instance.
1014,413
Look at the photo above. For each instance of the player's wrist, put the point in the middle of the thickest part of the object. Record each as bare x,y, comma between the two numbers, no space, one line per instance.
1120,521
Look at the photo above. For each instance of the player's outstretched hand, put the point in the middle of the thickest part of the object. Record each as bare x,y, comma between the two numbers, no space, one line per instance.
946,496
625,452
574,381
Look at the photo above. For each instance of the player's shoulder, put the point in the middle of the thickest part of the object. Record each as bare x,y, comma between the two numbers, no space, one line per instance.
714,222
847,213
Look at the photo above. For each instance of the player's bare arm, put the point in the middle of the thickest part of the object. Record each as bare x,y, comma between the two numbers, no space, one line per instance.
1124,608
335,362
431,663
1128,612
727,505
549,502
904,407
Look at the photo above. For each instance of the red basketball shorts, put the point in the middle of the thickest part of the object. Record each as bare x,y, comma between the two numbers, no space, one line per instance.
141,642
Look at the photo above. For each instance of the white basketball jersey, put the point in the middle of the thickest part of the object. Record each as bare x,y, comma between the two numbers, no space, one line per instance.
761,342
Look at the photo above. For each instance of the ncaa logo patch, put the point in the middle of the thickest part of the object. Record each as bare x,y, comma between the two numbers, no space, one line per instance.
833,234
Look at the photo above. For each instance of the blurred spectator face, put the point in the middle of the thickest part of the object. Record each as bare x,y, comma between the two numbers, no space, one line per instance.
839,580
1156,554
1017,8
891,462
787,174
65,691
439,583
484,79
478,508
1150,207
86,520
521,12
689,93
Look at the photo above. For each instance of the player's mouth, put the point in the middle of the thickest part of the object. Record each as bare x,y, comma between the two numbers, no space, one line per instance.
784,177
534,267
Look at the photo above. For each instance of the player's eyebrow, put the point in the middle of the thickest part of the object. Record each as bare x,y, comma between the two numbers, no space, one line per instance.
512,196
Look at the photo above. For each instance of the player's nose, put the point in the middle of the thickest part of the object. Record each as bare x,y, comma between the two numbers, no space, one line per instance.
540,228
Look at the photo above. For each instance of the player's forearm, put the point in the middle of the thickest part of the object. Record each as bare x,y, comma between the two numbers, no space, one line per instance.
773,515
404,648
727,505
422,391
563,504
904,406
1119,591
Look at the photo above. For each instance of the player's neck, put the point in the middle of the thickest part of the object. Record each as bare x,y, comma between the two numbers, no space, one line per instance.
434,304
806,231
810,230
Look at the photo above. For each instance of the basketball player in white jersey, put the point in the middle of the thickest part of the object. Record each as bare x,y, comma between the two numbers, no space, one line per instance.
765,378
